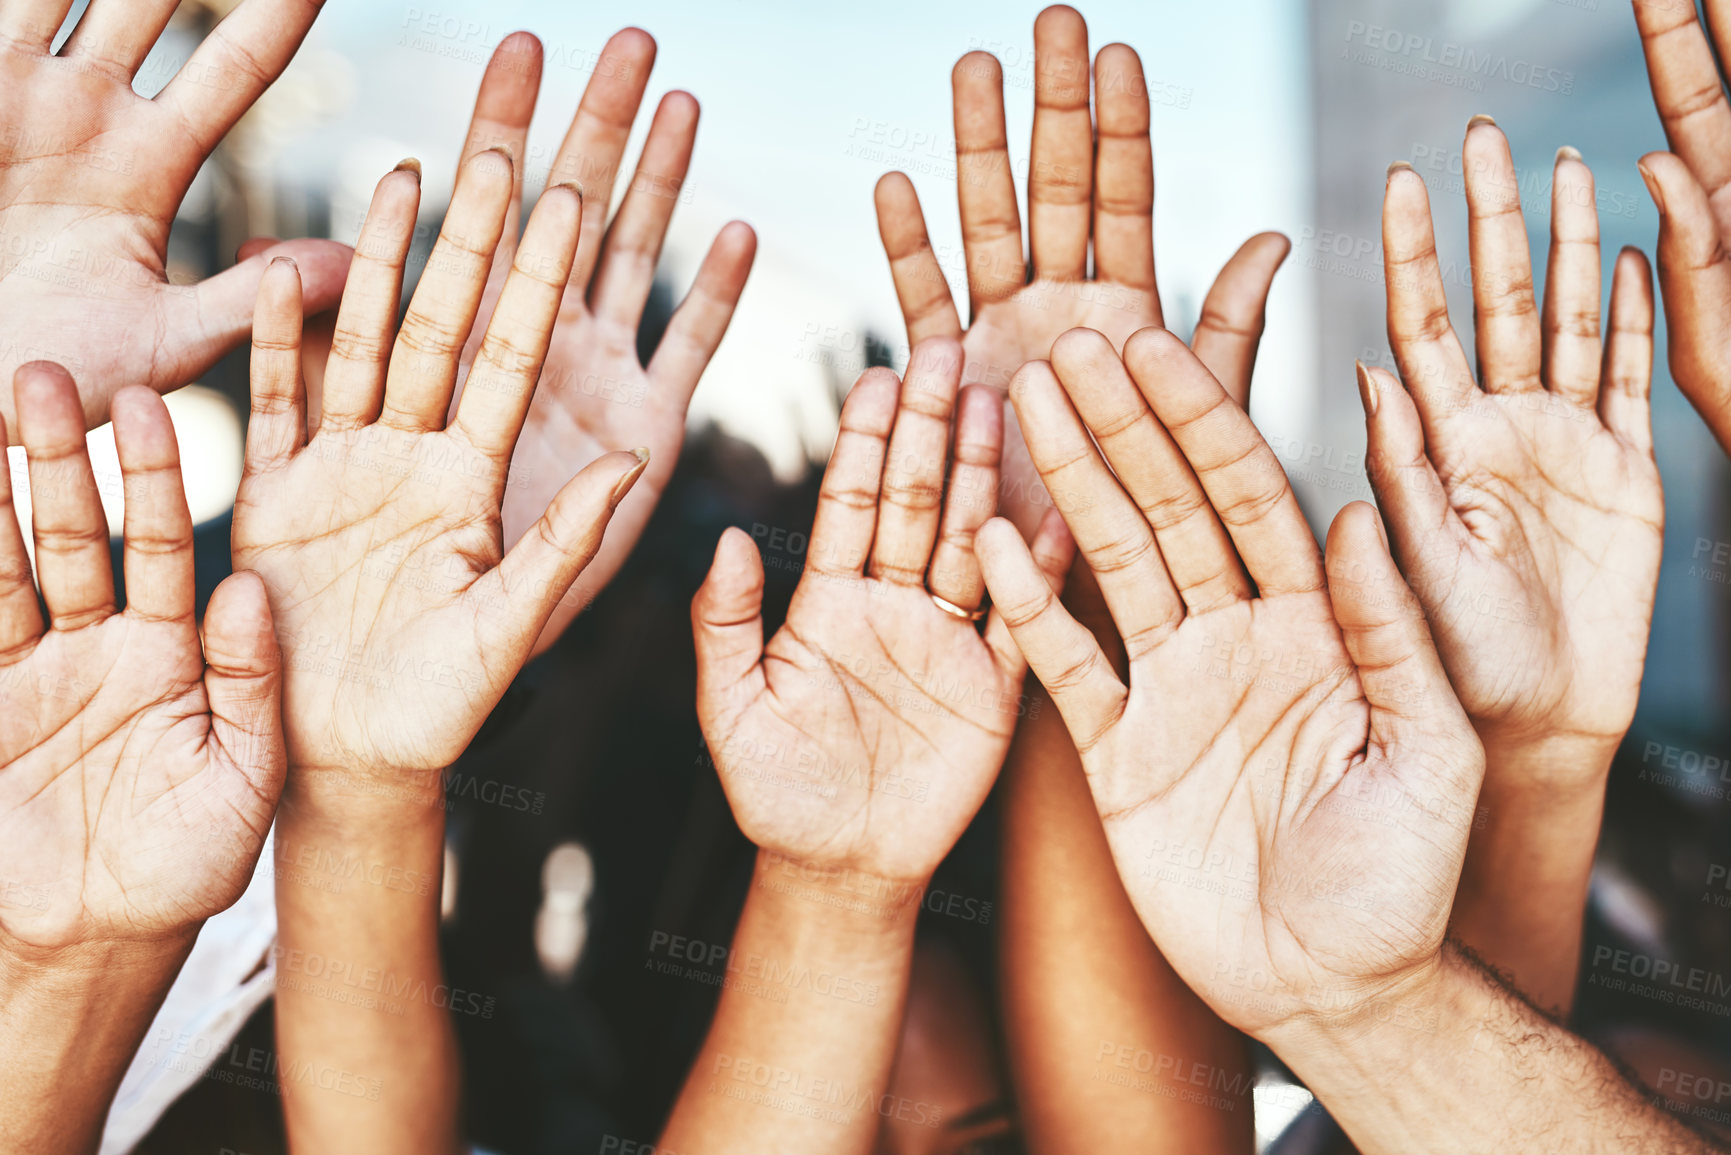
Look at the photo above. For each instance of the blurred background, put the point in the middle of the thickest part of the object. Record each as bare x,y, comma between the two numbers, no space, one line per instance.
1267,114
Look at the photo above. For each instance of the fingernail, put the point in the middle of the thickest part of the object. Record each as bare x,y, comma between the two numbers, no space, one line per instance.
504,150
289,261
409,164
1367,389
1399,166
1653,187
1569,152
573,186
625,483
1481,118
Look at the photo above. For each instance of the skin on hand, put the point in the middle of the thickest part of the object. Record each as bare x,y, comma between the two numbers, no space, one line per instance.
141,763
1290,728
1688,186
1527,514
865,735
92,174
403,616
595,392
1020,302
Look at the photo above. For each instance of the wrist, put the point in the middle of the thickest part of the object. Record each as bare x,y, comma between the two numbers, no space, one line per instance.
1351,1042
338,798
840,896
1552,763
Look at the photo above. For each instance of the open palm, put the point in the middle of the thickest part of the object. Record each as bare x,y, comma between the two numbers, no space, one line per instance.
1077,194
139,769
91,176
868,731
1528,515
402,613
596,393
1286,782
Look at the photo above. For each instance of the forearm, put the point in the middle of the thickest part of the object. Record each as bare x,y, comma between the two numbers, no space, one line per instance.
367,1052
69,1027
1523,892
1454,1062
809,1073
1109,1049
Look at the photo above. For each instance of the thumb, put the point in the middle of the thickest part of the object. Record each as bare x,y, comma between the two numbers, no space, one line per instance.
727,625
1695,276
1387,638
1235,312
243,682
208,320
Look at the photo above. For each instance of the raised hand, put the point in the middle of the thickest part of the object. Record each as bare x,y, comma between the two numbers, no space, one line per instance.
139,766
1090,178
379,539
1287,781
91,176
595,392
1528,513
868,731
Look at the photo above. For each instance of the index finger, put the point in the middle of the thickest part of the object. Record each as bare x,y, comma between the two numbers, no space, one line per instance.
1689,96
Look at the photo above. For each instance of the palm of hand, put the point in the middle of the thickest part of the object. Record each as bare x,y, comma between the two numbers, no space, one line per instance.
1559,533
1243,746
120,816
1007,334
594,396
372,542
879,732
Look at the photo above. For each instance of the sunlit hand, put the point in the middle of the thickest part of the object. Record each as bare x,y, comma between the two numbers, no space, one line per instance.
868,731
402,615
1287,781
91,176
139,768
1689,188
596,393
1528,515
1077,192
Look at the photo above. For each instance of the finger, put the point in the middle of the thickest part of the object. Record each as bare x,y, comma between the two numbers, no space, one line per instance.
119,34
502,383
241,58
1572,351
1386,635
1242,477
276,429
595,142
1054,552
1625,397
504,106
1505,312
72,556
1061,652
1410,494
423,364
1123,172
1429,354
1061,163
1235,312
921,288
157,532
354,385
1695,277
972,497
698,325
1199,556
243,681
33,23
985,188
540,568
1109,529
203,325
910,504
847,501
1689,96
633,246
20,617
727,626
